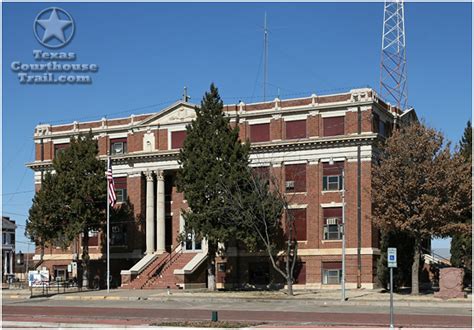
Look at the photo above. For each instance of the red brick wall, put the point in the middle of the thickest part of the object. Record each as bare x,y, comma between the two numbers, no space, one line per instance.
276,128
135,141
312,125
243,131
161,139
48,151
137,196
103,143
351,122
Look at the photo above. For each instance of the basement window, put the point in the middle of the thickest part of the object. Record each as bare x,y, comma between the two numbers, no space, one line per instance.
332,272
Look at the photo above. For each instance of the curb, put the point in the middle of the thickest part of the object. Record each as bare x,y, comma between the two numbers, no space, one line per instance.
332,302
16,324
320,301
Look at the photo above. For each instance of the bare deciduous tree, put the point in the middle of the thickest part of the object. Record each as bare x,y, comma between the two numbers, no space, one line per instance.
261,209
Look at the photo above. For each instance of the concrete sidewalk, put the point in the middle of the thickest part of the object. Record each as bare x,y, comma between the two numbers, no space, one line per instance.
330,297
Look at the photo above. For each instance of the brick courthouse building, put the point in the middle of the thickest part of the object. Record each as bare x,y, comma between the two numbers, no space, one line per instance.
306,143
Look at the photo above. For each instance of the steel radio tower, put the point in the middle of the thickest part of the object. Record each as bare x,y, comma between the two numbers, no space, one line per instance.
393,76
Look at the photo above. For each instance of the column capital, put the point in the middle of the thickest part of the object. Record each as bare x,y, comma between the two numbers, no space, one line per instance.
149,175
160,174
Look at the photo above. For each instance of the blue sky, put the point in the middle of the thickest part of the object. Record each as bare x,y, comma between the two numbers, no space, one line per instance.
147,52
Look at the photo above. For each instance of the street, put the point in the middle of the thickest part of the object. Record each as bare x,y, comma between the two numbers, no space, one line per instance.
295,313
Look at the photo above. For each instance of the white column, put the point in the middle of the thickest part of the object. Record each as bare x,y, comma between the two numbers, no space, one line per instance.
160,212
5,262
150,230
11,262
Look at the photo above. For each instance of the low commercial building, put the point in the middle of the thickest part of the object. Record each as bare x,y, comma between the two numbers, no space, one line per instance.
316,146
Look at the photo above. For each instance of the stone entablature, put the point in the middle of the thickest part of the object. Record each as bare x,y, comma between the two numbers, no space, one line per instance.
152,133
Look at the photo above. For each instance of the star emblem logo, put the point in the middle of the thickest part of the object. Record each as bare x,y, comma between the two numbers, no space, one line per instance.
53,27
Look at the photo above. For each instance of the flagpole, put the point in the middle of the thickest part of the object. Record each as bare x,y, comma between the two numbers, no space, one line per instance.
108,240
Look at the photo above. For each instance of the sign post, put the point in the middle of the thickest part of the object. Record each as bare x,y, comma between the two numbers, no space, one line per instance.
392,263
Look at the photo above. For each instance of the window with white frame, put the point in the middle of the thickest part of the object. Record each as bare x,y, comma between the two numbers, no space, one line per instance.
121,189
118,146
332,272
332,276
332,229
332,176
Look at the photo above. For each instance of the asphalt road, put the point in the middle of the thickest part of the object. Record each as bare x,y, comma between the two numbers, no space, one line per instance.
275,313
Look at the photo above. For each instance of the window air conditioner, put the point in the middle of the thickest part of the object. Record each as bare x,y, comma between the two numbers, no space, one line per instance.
331,221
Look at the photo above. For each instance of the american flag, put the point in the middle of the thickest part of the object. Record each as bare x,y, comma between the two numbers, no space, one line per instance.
111,186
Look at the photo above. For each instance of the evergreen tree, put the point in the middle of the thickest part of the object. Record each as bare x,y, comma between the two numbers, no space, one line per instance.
81,181
212,154
72,201
422,189
405,247
44,225
461,244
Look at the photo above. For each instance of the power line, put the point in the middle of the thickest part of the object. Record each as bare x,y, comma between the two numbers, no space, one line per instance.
17,193
12,213
62,121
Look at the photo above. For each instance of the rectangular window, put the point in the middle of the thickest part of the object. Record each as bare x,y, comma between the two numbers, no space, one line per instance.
332,176
59,148
299,217
12,238
259,132
333,126
295,129
121,189
375,123
332,218
118,146
382,126
93,238
4,241
119,234
332,272
295,178
177,139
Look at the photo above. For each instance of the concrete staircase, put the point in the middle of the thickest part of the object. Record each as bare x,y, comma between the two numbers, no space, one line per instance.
147,272
164,275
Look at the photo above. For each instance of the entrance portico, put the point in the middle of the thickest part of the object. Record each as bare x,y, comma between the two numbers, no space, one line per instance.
160,212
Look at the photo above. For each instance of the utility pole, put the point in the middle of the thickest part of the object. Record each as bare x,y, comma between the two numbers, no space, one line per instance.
265,57
393,75
343,225
343,281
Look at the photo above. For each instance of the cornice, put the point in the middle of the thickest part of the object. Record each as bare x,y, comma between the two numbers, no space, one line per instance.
256,148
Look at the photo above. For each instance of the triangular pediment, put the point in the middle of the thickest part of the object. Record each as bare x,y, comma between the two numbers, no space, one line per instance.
179,112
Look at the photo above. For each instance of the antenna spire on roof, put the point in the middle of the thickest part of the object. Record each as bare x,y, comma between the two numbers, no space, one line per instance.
265,57
186,97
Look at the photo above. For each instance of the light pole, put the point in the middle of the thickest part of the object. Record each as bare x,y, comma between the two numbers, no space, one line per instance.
343,280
